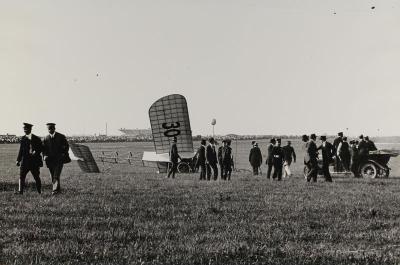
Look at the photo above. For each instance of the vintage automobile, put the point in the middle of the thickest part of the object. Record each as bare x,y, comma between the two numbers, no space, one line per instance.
375,165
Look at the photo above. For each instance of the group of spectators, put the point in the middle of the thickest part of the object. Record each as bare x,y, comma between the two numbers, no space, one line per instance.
9,139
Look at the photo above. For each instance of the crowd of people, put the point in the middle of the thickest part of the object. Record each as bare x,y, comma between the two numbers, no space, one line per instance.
345,155
9,139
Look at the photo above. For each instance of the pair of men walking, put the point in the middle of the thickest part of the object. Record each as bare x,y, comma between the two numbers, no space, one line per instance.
55,154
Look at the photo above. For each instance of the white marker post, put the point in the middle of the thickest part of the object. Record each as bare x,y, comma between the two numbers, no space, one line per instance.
213,122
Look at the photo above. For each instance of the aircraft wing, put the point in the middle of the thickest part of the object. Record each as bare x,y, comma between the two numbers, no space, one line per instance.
84,157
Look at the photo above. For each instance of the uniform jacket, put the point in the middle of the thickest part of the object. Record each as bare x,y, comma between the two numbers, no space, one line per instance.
336,142
29,154
227,158
255,157
328,151
173,153
362,148
56,149
220,153
311,152
354,153
344,150
277,154
211,154
201,156
270,157
288,153
371,146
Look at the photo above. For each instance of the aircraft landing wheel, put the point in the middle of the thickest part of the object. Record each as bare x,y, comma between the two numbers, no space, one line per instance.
369,170
183,168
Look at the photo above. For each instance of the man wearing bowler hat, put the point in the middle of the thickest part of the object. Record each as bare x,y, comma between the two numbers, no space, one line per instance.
55,154
29,158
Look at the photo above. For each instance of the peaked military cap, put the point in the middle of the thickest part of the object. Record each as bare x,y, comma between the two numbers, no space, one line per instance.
27,125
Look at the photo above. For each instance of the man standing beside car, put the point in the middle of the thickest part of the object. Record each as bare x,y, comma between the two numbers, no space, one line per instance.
55,154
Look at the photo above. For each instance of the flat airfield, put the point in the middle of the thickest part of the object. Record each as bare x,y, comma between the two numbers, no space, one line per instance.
130,215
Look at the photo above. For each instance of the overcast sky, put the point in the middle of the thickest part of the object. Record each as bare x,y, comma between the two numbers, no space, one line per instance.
258,67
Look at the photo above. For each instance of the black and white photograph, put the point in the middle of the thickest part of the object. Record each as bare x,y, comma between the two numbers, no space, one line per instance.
199,132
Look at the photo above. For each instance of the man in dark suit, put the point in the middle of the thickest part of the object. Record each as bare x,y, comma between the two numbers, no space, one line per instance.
173,158
289,155
29,158
212,160
201,159
362,149
338,164
354,158
220,154
227,160
255,158
343,152
55,154
327,157
277,154
270,157
311,159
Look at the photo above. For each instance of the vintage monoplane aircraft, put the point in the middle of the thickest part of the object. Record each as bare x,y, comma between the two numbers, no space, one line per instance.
169,118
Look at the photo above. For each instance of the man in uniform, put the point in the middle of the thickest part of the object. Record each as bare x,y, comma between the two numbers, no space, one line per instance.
212,160
270,157
29,158
277,154
289,155
327,157
201,159
55,154
220,153
173,158
338,165
255,158
311,159
227,160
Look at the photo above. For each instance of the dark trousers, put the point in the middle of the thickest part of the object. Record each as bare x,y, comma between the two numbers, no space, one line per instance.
173,169
277,171
203,172
269,169
35,171
227,171
346,162
327,174
214,170
354,167
55,173
312,171
255,170
222,170
338,166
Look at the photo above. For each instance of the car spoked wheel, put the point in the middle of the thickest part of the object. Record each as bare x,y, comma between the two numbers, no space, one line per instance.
369,170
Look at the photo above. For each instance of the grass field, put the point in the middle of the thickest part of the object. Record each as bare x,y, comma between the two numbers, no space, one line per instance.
130,215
